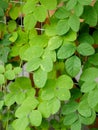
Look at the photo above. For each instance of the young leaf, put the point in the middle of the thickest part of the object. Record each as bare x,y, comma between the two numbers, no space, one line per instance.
40,78
2,69
66,50
62,27
73,66
35,118
85,49
9,74
74,23
2,79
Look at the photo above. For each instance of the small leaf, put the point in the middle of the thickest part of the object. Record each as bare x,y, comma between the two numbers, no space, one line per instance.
35,118
62,27
85,2
12,25
85,49
66,50
70,36
73,66
40,78
17,70
14,37
1,104
49,4
9,74
76,125
71,4
55,42
70,118
74,23
93,59
1,12
95,34
78,9
14,12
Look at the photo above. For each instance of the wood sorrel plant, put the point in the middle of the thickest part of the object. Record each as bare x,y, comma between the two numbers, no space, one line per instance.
61,91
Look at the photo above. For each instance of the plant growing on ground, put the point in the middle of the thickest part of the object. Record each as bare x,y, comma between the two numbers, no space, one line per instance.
61,90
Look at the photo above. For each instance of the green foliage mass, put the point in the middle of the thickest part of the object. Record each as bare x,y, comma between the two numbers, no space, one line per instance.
59,53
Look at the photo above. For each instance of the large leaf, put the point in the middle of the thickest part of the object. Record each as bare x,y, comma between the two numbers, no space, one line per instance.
54,42
73,66
40,77
66,50
49,4
85,49
35,118
74,22
92,18
62,27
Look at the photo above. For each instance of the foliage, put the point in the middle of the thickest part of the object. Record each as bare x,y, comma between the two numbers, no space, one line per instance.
61,89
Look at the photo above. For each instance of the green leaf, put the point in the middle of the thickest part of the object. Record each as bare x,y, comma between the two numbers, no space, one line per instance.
9,74
90,19
66,50
47,92
88,86
95,36
86,38
1,104
90,74
29,6
92,98
70,36
76,125
17,70
2,79
93,59
74,23
1,12
89,120
33,52
73,66
14,37
11,28
62,27
40,13
62,13
50,107
55,42
33,64
3,4
85,2
29,21
35,118
71,4
27,106
2,69
64,81
62,93
78,9
40,78
20,124
69,107
49,4
14,12
46,64
70,118
85,49
84,109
